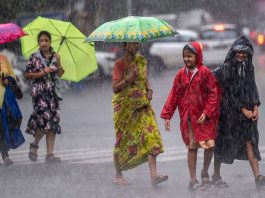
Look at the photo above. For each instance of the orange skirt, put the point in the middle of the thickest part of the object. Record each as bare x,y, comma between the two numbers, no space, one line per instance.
195,145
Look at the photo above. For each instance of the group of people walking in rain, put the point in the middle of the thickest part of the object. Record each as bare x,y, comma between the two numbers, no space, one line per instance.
218,111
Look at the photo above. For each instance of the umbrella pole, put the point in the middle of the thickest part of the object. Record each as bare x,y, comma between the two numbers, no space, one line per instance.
129,7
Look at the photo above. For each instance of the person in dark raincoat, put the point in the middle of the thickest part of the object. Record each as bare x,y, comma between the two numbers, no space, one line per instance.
238,135
195,94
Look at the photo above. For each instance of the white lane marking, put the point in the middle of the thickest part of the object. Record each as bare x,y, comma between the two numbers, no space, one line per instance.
88,156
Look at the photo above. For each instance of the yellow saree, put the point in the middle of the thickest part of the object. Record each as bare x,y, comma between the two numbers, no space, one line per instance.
137,133
6,70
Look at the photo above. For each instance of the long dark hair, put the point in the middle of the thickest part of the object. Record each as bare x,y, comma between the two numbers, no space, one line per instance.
48,34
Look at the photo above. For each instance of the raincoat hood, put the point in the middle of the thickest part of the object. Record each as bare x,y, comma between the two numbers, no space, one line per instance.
240,44
196,48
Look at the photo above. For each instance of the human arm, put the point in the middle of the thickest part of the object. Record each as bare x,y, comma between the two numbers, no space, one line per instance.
171,104
149,91
119,81
211,105
60,70
32,72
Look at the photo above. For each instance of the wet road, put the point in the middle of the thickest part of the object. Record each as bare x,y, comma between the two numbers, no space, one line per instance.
85,147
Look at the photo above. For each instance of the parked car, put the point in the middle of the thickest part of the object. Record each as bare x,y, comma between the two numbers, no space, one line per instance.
216,40
105,62
169,49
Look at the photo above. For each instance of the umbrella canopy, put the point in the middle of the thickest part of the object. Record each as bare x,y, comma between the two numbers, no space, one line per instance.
10,32
77,57
132,29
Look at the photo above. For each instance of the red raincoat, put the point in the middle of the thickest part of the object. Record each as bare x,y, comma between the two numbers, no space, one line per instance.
194,96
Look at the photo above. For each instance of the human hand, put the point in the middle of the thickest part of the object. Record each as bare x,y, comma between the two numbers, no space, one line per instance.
255,114
6,81
133,74
202,118
247,113
57,56
167,125
60,71
48,70
149,94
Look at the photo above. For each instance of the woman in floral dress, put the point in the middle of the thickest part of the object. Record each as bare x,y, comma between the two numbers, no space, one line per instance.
42,68
137,135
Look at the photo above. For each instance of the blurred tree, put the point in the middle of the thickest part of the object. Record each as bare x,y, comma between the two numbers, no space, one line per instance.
99,11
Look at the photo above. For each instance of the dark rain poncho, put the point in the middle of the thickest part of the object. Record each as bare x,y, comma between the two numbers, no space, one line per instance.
239,89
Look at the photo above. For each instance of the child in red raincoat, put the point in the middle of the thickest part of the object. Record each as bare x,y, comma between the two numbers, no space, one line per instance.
195,93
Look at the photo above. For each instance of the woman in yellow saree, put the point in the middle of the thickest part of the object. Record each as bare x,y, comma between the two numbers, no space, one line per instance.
137,135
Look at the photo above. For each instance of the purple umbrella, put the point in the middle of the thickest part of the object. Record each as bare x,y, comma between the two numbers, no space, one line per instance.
10,32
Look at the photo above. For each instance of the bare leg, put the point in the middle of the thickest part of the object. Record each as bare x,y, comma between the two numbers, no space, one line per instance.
119,177
50,139
208,155
217,168
38,136
152,166
192,161
252,160
155,178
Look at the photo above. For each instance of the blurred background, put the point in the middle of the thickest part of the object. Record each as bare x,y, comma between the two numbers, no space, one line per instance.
215,24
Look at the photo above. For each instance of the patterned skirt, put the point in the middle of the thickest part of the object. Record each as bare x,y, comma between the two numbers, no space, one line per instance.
45,115
137,135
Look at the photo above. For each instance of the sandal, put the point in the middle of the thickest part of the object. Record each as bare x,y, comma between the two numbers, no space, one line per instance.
217,181
205,181
260,181
193,185
159,179
50,158
33,156
121,181
8,162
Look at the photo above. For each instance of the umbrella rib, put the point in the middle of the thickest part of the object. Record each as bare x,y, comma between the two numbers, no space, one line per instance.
31,29
55,27
79,48
70,52
31,48
65,37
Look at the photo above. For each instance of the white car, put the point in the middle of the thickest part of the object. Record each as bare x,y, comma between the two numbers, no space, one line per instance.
170,49
105,61
216,40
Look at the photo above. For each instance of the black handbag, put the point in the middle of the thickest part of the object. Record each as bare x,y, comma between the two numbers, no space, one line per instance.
15,88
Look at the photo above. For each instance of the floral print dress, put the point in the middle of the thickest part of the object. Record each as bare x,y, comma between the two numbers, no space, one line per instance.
137,133
46,111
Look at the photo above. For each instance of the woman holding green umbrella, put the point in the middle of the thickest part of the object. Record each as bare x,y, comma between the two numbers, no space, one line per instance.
43,68
137,135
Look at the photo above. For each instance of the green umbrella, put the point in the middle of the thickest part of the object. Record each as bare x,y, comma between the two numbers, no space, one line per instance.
132,29
78,58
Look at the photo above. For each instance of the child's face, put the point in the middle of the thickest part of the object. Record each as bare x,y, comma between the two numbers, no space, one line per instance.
44,43
189,59
241,56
